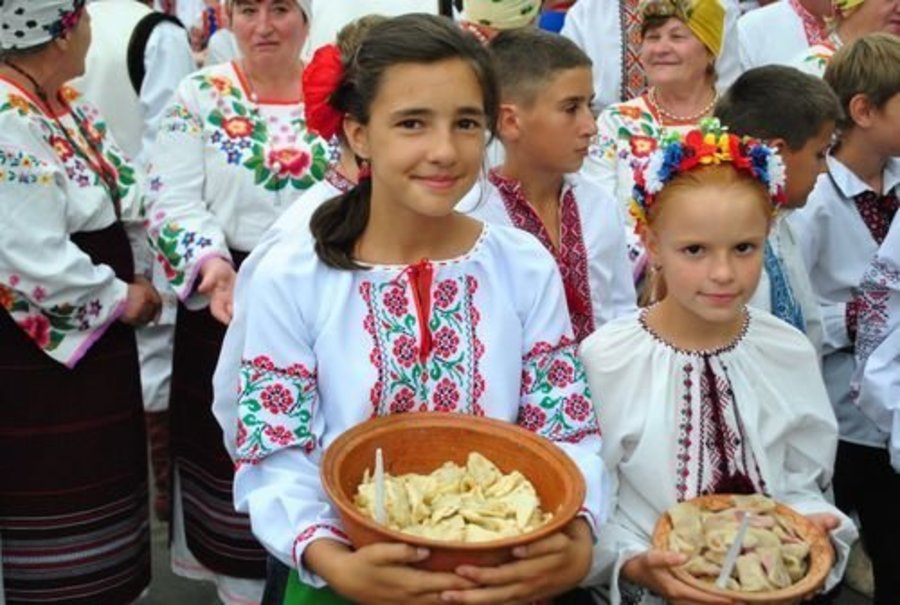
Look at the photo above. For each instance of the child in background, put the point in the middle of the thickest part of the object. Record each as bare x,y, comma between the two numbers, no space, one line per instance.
399,304
796,114
701,394
546,125
840,229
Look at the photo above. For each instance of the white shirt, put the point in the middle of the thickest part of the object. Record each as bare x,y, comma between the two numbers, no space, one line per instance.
133,119
592,242
653,404
323,350
773,34
837,247
596,27
48,285
224,168
786,247
876,383
222,48
815,59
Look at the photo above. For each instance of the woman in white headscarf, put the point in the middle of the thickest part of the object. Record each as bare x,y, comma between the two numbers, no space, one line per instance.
233,152
73,469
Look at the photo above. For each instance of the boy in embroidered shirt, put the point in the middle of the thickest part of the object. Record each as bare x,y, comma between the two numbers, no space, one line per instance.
546,126
796,114
842,226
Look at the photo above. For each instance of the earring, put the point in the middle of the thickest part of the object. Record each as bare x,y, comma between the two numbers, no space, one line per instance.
365,170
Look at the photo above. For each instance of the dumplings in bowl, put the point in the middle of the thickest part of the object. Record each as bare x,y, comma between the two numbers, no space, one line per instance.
784,557
474,503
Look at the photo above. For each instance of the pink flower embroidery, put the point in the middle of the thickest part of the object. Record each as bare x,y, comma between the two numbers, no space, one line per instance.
395,302
446,396
39,294
298,370
294,162
279,435
561,374
277,399
404,401
263,362
532,418
38,329
405,350
446,342
241,434
577,407
445,293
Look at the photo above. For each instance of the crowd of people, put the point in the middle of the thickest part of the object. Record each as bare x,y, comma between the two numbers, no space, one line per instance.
658,233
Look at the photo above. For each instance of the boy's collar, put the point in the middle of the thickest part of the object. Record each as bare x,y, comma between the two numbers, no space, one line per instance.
851,185
510,185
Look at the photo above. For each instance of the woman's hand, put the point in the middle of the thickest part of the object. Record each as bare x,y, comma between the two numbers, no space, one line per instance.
142,304
380,574
545,568
217,282
652,570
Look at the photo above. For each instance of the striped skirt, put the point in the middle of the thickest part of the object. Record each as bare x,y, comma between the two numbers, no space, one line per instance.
73,467
217,536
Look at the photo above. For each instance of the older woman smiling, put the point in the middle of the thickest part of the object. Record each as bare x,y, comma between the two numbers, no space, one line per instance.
233,152
680,42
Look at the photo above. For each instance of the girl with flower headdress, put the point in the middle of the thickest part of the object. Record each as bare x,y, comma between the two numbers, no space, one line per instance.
400,304
852,19
702,394
233,151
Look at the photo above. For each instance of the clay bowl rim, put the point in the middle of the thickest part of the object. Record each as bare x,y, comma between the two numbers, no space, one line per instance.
337,451
820,551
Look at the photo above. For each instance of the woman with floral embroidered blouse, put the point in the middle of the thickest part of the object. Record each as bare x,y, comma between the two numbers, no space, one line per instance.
73,469
399,304
681,40
233,152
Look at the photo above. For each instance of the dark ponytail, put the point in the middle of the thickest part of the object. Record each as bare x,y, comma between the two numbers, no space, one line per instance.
338,223
413,38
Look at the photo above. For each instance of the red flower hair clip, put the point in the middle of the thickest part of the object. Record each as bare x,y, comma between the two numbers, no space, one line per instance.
321,79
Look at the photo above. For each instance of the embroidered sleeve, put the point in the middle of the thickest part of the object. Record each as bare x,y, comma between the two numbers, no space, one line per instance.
600,166
555,400
50,288
183,230
279,424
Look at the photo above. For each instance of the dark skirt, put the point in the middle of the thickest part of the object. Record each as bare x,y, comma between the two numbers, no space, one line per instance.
217,536
73,468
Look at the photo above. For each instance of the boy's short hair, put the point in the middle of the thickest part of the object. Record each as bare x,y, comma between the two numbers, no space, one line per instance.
778,102
869,66
527,58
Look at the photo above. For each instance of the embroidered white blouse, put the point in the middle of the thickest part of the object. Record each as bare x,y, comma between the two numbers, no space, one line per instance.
876,382
837,248
49,191
776,34
679,424
320,350
223,169
592,255
815,59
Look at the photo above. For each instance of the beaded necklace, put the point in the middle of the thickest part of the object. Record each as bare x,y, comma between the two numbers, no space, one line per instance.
654,100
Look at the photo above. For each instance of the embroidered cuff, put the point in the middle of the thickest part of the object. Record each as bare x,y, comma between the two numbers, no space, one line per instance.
308,536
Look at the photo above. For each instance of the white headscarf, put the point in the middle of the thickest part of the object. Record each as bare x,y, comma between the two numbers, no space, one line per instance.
305,6
29,23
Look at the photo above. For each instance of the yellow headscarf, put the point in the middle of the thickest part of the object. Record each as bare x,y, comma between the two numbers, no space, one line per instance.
842,7
705,18
502,14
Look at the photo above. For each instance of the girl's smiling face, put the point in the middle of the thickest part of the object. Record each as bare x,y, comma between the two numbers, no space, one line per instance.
425,137
708,241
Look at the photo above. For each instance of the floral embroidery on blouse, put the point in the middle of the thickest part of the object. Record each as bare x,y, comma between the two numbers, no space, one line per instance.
571,258
175,247
880,280
556,401
179,118
19,104
243,136
48,328
19,167
276,408
449,378
631,130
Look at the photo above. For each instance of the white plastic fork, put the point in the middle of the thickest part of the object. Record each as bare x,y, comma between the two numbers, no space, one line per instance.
380,516
733,552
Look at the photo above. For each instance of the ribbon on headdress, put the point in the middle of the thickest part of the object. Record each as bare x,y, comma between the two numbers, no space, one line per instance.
705,18
502,14
30,23
842,7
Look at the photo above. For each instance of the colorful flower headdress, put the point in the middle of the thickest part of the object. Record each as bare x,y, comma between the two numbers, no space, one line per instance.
321,79
708,145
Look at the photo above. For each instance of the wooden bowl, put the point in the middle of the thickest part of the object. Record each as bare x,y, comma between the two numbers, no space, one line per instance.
821,556
422,442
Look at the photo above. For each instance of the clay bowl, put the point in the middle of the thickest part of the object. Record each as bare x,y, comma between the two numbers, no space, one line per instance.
421,442
821,556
